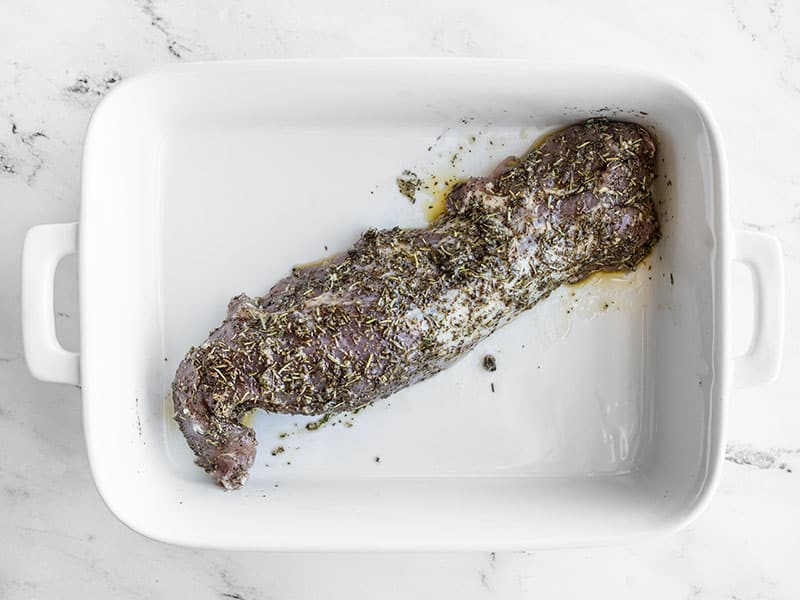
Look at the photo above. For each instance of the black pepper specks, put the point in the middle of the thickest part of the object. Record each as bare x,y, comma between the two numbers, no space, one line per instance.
409,184
490,363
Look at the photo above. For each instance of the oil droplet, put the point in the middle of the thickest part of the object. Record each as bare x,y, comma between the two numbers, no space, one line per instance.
437,203
608,291
169,411
433,192
313,263
248,418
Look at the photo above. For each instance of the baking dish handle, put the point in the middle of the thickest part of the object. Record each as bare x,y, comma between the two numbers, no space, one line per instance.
762,254
45,246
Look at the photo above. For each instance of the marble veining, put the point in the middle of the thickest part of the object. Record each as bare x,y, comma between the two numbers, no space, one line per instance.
174,47
775,458
86,85
22,154
58,60
763,22
30,140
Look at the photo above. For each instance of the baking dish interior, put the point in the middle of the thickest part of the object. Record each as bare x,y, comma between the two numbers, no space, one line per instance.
204,181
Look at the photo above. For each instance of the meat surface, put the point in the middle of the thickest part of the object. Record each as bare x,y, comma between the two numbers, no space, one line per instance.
403,304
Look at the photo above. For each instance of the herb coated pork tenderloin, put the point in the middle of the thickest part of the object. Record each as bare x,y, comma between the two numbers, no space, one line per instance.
403,304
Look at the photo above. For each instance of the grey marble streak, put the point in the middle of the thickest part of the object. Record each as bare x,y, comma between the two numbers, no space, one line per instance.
30,140
773,458
57,60
7,166
93,87
763,23
23,154
174,47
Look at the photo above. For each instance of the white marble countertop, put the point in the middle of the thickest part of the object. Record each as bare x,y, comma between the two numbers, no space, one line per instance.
57,59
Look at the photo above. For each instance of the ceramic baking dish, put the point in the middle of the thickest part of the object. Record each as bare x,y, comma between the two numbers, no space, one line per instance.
604,421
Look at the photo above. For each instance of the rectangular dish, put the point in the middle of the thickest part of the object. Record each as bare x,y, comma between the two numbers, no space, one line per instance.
604,420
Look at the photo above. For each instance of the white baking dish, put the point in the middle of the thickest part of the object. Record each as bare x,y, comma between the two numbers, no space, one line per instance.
202,181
